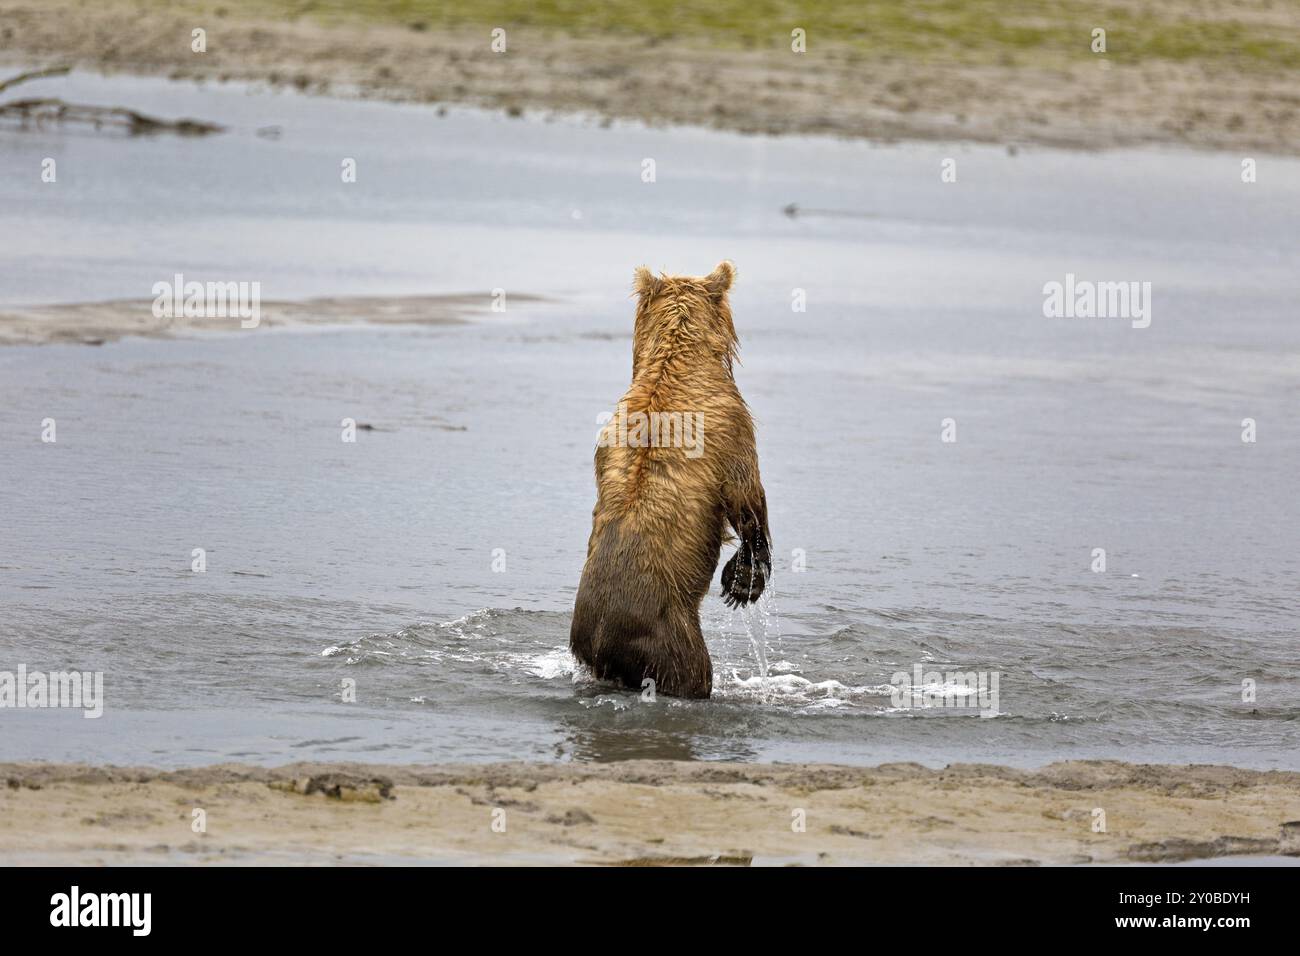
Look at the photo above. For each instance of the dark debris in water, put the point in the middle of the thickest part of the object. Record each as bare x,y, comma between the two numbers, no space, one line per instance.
46,109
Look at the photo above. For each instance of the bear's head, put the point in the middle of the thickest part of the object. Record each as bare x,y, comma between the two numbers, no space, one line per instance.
683,316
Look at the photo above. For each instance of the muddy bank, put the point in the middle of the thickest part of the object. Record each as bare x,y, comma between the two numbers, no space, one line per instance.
1162,81
94,323
645,813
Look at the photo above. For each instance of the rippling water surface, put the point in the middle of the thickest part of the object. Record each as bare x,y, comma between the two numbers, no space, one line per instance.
373,561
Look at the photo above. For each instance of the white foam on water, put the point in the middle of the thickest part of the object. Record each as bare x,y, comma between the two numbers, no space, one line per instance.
946,689
548,665
476,618
615,703
809,695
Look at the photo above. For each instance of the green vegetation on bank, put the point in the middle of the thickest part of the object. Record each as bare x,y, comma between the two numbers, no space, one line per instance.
1233,33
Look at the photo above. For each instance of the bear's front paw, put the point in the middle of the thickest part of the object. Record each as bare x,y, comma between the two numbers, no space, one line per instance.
743,580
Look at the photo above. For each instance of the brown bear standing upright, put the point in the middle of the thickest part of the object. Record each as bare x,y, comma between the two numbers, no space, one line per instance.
663,505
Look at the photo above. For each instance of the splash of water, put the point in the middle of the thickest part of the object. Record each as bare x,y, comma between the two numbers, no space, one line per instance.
760,624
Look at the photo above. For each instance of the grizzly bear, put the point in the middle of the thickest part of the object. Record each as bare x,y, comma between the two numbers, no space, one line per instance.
665,496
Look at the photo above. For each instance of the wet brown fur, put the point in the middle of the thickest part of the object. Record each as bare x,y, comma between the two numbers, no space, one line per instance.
661,517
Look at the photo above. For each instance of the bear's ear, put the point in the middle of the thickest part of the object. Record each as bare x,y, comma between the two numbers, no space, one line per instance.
643,283
719,280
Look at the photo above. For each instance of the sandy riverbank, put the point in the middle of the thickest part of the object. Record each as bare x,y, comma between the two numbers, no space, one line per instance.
645,813
1175,72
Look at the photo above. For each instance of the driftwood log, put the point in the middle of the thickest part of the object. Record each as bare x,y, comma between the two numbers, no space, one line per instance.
51,110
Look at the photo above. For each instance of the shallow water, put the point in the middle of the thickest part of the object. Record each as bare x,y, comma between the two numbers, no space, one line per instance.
374,561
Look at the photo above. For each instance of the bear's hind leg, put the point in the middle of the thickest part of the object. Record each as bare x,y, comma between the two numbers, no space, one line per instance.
671,653
681,659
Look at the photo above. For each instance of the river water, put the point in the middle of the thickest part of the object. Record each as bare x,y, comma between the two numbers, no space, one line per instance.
434,561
